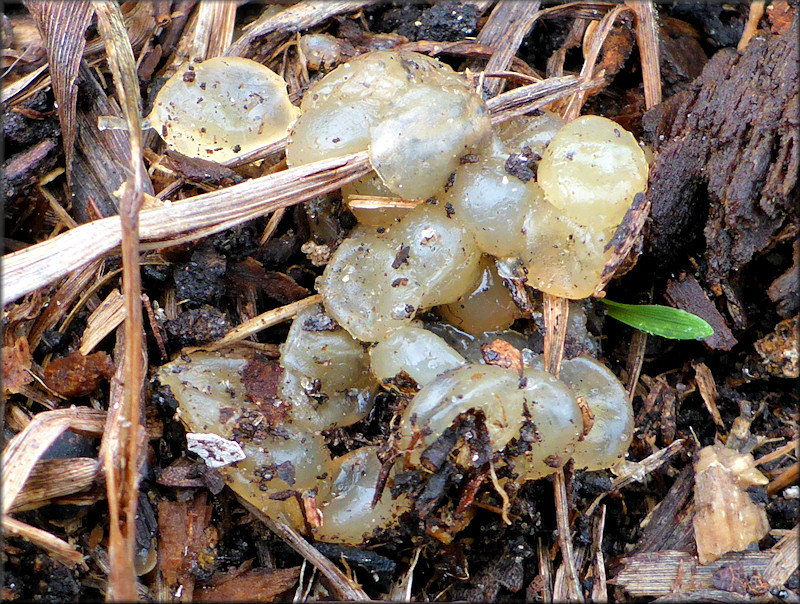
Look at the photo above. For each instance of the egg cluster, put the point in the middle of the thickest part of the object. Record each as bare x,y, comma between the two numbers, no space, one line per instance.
533,193
534,421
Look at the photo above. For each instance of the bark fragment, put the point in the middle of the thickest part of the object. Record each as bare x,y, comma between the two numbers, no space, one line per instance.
727,155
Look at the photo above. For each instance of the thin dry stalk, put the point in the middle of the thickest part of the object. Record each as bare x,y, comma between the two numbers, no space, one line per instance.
505,29
60,550
545,572
262,321
784,563
40,264
599,36
341,587
369,202
635,361
642,469
122,473
525,99
103,321
778,453
272,226
556,314
573,586
599,589
647,39
213,32
62,300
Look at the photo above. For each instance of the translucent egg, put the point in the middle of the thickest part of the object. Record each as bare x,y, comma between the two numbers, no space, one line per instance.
313,409
491,389
330,131
348,515
212,399
492,204
562,257
591,171
535,132
417,351
418,144
609,439
221,108
320,350
488,307
554,426
414,115
366,289
440,251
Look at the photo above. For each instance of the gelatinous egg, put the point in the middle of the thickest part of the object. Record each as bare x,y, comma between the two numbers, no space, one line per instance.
221,108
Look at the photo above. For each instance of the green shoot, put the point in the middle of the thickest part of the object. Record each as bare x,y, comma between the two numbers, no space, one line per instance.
659,320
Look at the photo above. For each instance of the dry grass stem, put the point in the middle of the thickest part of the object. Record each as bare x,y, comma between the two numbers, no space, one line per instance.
122,468
103,321
635,361
640,470
507,26
556,314
62,26
57,548
599,588
598,37
40,264
368,202
572,583
302,15
647,39
24,450
262,321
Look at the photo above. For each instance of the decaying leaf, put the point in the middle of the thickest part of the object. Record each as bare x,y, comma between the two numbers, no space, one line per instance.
78,375
726,518
778,350
16,365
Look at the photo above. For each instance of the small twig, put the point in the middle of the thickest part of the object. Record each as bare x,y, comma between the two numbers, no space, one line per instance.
599,36
635,361
272,226
645,467
507,26
58,549
556,314
154,326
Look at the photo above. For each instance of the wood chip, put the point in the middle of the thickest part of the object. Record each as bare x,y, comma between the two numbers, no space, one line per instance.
708,390
685,293
726,518
257,585
183,543
671,573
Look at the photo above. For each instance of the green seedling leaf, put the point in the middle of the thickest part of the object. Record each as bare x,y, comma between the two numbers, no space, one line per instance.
661,321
